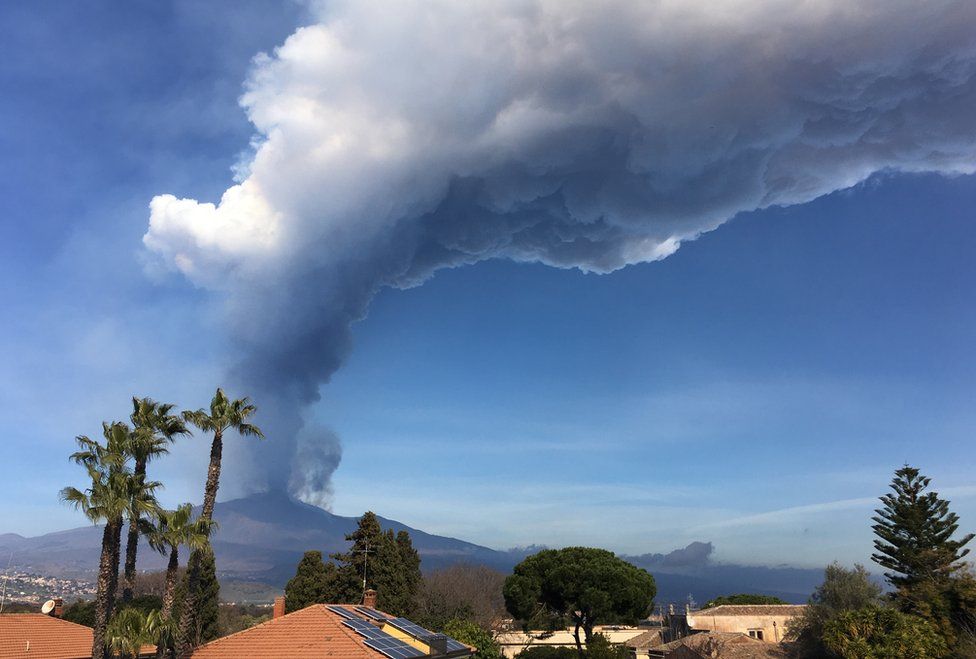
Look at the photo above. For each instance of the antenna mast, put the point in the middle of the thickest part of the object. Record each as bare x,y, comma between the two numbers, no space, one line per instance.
365,553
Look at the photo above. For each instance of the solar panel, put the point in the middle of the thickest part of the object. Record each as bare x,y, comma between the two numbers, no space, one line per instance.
394,648
366,629
344,612
421,634
379,640
372,613
454,646
409,627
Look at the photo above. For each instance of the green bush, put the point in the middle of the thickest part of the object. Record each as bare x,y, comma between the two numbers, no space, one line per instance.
474,634
547,652
882,633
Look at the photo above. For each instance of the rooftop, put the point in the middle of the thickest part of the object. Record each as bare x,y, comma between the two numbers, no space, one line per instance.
40,636
752,610
723,644
333,631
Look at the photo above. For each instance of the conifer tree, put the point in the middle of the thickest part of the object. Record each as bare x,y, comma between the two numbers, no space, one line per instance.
388,562
410,569
915,530
359,560
200,608
313,583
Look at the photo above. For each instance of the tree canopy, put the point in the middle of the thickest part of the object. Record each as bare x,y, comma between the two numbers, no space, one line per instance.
470,632
842,590
579,584
743,598
313,582
387,563
882,633
915,530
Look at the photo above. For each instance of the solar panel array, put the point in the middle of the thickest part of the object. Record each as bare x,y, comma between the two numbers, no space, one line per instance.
421,634
381,641
390,646
343,611
372,613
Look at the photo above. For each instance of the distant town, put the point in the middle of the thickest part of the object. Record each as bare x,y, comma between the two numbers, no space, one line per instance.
32,588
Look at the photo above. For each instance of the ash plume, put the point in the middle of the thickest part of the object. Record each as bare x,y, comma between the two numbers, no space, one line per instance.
395,139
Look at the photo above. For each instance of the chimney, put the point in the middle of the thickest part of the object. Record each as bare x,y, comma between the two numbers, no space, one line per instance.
279,607
369,598
58,608
437,644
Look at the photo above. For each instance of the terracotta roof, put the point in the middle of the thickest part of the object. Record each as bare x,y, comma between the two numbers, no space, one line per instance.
314,631
645,640
752,610
726,645
48,638
311,632
39,636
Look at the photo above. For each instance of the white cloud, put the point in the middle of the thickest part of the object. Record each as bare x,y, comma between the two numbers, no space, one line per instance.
398,138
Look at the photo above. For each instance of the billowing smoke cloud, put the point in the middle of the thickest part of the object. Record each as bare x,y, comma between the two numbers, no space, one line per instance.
316,457
393,139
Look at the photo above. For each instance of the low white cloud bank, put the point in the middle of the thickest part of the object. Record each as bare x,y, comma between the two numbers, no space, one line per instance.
393,139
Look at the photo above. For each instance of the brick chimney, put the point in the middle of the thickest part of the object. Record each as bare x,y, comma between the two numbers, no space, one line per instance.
369,598
279,607
58,608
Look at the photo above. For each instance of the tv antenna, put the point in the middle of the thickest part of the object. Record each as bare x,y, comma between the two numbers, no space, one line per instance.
365,552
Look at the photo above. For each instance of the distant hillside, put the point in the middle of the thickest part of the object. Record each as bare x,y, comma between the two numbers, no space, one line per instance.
262,537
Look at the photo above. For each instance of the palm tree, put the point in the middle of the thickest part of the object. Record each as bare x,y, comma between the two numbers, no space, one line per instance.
130,629
114,494
154,427
224,414
175,528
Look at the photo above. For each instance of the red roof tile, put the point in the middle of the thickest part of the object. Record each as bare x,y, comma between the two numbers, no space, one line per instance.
311,632
39,636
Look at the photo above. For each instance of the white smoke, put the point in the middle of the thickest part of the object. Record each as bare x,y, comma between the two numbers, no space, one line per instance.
396,138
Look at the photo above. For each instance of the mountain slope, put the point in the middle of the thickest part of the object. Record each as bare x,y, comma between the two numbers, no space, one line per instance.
262,537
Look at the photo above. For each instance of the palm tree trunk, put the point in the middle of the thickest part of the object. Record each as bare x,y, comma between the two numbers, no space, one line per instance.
171,571
213,476
188,619
116,555
103,607
132,544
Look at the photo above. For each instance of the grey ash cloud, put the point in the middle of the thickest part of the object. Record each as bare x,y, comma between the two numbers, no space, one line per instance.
396,139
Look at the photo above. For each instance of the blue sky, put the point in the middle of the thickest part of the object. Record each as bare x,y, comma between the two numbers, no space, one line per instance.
755,389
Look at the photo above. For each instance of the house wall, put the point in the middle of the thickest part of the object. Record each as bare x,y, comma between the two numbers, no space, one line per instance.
514,642
773,627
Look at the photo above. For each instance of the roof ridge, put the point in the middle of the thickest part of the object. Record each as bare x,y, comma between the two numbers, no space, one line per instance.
37,616
323,610
259,625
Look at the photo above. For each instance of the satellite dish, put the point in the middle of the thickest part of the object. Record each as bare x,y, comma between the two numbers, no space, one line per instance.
47,607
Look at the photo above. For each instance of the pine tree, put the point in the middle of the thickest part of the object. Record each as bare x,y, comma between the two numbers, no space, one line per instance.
389,562
409,561
915,530
359,560
313,583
